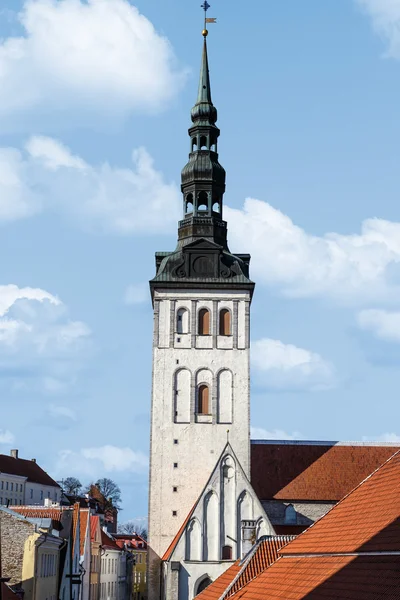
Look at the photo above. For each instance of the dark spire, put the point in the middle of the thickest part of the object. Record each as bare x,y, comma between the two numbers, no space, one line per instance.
204,110
202,256
203,178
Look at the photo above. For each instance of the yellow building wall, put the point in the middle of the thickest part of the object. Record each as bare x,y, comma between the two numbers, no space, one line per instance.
40,570
139,583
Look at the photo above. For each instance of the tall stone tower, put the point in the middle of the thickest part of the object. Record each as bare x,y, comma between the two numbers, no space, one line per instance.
201,296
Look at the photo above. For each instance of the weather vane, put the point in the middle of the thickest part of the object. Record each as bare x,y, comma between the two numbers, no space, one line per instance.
205,6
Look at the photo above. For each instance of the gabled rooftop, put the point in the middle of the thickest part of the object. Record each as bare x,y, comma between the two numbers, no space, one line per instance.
12,465
313,471
352,552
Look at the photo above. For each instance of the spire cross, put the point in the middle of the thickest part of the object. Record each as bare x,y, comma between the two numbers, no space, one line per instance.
205,6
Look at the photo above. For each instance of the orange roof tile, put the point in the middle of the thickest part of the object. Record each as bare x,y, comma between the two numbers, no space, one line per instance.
327,578
349,553
108,542
75,521
238,575
84,518
94,523
264,555
312,470
368,519
39,512
216,589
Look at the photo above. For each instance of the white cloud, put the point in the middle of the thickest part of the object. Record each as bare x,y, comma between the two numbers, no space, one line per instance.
287,367
37,338
101,56
101,198
95,461
6,437
136,293
257,433
385,15
354,267
384,324
58,412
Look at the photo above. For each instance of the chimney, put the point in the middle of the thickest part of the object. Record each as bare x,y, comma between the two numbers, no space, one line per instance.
33,460
14,453
248,536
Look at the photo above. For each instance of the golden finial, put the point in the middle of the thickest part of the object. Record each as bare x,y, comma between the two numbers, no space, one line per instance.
205,33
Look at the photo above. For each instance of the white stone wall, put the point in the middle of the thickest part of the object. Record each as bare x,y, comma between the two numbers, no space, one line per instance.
111,569
35,493
185,446
12,489
225,502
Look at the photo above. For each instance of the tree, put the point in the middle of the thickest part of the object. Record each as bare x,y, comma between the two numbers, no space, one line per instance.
110,490
131,527
71,486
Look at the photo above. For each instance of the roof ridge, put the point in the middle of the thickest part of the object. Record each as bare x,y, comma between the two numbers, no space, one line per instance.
272,442
338,504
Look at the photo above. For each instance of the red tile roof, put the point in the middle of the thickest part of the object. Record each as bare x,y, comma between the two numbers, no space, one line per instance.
84,518
349,553
216,589
327,578
94,524
25,468
366,520
264,555
39,512
312,471
238,575
108,542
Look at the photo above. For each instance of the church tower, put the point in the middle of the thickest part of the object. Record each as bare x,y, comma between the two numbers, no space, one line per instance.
201,297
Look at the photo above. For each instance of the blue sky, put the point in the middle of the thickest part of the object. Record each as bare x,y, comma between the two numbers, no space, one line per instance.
95,100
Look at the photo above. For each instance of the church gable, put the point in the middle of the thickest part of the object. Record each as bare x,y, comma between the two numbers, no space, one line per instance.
212,531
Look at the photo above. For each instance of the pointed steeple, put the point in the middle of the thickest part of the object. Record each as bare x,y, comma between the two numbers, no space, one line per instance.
203,178
204,110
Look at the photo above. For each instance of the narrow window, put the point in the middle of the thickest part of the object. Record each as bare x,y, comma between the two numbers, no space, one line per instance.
174,513
290,515
227,553
182,321
224,322
175,465
174,489
203,143
202,202
204,322
203,400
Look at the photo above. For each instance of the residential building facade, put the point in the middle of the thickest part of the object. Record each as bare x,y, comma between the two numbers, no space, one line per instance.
23,482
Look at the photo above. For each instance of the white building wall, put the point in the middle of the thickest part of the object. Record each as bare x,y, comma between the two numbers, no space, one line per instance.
184,447
12,489
225,502
111,569
35,493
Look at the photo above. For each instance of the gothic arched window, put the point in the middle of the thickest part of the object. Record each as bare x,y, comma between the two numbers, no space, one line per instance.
204,322
203,584
182,321
203,400
290,515
224,322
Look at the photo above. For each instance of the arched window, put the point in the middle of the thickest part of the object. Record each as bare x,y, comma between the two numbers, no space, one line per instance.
203,143
204,322
202,202
216,207
224,322
182,321
203,585
189,204
194,144
290,515
203,400
227,553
